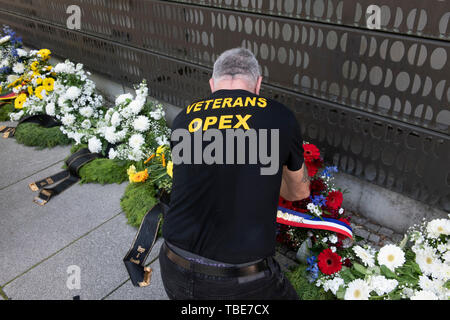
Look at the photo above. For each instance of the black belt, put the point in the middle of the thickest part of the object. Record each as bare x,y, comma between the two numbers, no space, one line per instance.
43,120
215,270
67,177
143,243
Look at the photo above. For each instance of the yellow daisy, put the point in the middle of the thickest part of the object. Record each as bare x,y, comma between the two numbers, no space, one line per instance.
48,84
169,169
34,65
20,100
38,92
140,176
44,53
30,91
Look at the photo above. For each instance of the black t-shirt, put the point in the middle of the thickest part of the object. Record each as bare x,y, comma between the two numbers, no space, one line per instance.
226,211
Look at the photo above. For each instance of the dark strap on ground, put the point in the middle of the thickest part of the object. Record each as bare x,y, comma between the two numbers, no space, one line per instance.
143,243
43,120
66,178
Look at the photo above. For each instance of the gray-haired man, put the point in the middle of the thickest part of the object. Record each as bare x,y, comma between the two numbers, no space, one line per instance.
221,227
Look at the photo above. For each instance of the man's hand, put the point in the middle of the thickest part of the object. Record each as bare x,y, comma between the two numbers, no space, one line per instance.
295,184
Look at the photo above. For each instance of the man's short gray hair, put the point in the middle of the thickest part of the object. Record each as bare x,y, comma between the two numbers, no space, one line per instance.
237,62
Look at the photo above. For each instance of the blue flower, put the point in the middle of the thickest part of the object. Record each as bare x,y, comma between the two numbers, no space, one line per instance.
312,268
319,200
327,172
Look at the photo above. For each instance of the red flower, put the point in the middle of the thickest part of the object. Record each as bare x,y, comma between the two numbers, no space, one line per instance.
348,263
334,199
311,152
313,166
329,262
317,186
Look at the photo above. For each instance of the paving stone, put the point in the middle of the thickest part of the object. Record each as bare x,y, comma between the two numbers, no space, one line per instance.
396,238
360,232
386,232
285,263
371,226
19,161
99,257
374,238
30,233
155,291
358,220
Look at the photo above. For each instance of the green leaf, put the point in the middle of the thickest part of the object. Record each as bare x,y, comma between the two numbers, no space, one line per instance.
447,285
347,275
340,294
387,272
358,267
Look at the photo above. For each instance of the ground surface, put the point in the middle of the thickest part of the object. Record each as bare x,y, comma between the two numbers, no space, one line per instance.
83,227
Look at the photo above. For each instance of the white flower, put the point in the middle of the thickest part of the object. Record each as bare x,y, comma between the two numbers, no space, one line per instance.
333,238
446,257
86,112
357,290
424,295
136,105
381,285
68,119
437,227
11,78
310,206
64,67
341,211
141,123
15,116
50,109
21,52
86,124
112,154
73,93
157,114
4,39
333,284
391,256
162,140
115,119
366,257
18,68
136,141
426,259
123,98
94,145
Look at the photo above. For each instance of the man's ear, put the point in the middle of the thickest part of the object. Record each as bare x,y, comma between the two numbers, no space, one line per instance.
258,85
211,84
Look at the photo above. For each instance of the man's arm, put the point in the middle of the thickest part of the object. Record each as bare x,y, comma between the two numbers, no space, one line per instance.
295,184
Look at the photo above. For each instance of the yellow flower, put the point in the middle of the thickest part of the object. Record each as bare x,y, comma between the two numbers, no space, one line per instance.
140,176
34,65
49,68
169,169
48,84
160,150
39,81
20,100
130,171
38,92
44,53
30,90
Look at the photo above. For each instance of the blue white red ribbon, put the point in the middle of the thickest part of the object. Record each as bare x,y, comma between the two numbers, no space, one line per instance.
302,220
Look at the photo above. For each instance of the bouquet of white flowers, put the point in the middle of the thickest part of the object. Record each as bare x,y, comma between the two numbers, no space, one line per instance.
12,57
133,128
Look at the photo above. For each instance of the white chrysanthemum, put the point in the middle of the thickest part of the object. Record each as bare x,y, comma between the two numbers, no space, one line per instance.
50,109
136,141
141,123
333,238
86,112
426,259
381,285
446,257
136,105
123,98
18,68
115,119
64,67
86,124
333,284
112,154
391,256
157,114
68,119
357,290
366,257
21,52
94,145
73,93
15,116
162,140
437,227
11,78
424,295
5,39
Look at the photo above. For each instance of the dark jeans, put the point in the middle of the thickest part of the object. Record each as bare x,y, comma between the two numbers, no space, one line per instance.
184,284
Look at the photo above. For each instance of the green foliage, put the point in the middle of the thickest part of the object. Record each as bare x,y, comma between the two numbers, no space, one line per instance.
137,200
5,110
34,135
306,290
104,171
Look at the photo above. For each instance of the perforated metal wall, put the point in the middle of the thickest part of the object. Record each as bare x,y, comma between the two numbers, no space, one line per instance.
375,101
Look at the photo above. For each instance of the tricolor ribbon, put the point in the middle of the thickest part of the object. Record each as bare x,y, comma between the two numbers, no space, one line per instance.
8,96
302,220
